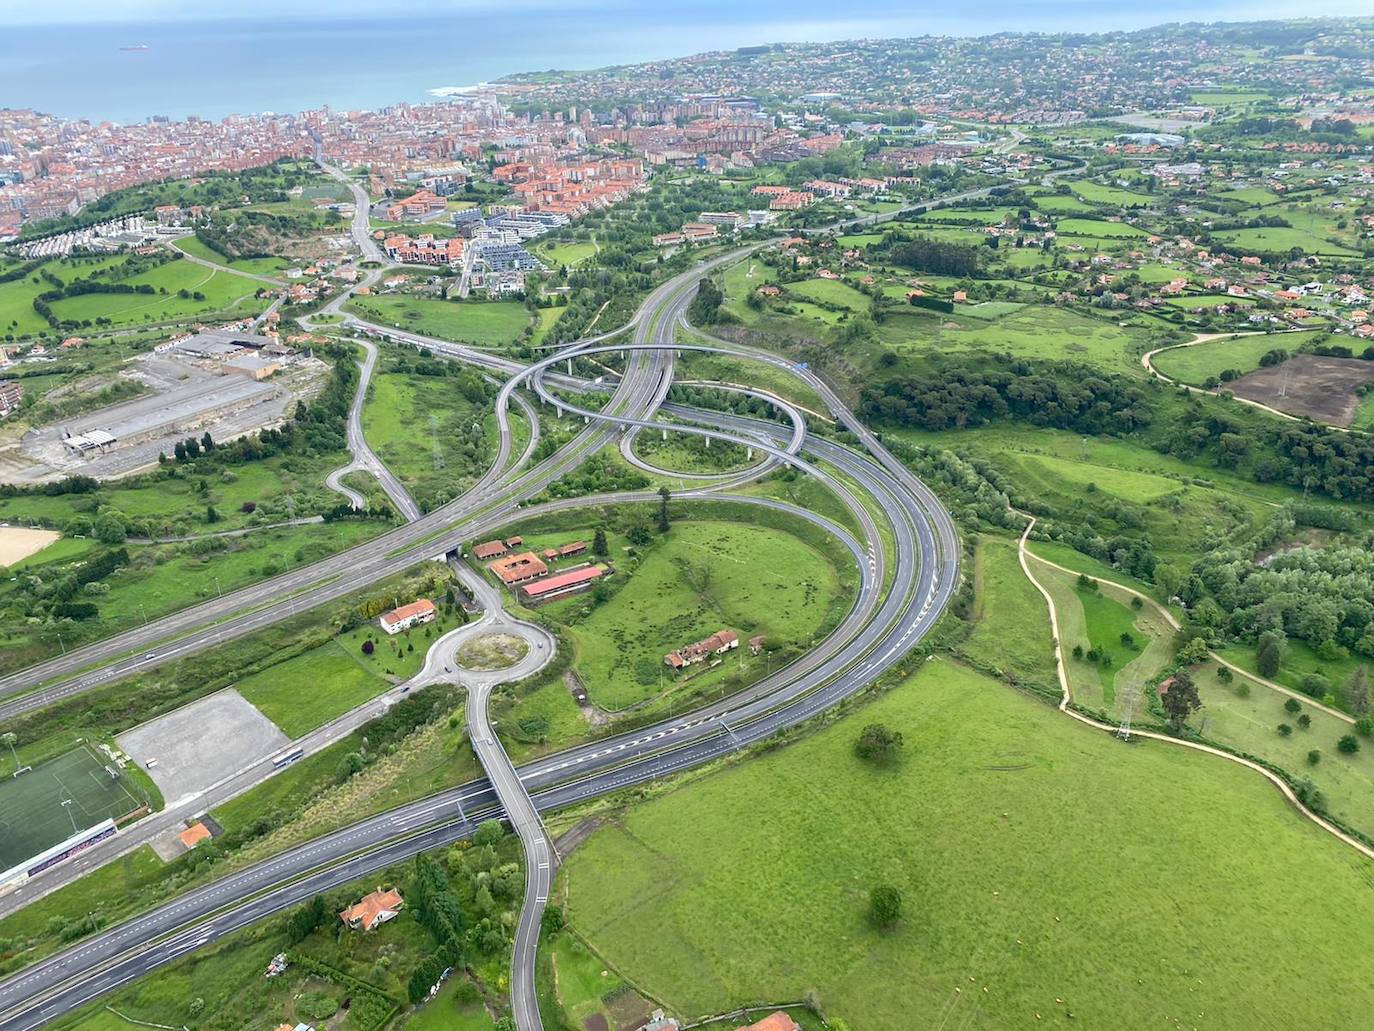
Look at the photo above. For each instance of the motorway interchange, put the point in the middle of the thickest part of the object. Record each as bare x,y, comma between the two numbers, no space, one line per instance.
907,555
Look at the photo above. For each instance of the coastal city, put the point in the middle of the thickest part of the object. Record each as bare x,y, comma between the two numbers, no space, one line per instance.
767,539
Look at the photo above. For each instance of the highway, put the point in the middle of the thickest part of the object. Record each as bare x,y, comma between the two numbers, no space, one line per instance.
900,596
621,761
267,602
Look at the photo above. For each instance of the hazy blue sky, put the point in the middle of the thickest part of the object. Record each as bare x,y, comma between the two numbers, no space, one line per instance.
880,15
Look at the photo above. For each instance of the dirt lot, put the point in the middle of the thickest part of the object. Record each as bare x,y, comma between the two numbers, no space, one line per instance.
1308,385
17,543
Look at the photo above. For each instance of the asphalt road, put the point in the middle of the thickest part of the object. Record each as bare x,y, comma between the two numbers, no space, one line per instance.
923,575
266,603
602,766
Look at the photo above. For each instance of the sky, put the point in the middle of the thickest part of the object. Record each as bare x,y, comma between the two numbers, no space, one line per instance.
878,15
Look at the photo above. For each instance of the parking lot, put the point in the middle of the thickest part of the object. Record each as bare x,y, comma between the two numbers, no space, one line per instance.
201,743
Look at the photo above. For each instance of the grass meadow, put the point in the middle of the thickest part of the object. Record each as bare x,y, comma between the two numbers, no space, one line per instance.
482,323
1002,827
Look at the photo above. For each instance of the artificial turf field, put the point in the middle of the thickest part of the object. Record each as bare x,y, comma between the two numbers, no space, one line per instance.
1052,876
32,816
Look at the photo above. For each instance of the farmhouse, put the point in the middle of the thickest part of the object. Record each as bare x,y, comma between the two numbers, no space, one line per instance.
407,616
518,569
372,910
560,585
492,549
718,643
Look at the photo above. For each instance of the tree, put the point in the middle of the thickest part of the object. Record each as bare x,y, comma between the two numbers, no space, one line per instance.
211,516
109,529
885,905
1285,730
1349,744
349,765
1194,651
1181,700
1292,705
9,738
1304,721
599,545
664,494
1357,691
1269,653
306,919
878,743
1314,757
207,442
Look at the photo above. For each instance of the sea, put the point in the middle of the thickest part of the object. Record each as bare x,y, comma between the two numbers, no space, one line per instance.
311,56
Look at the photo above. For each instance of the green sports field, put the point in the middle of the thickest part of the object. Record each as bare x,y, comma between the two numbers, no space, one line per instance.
33,816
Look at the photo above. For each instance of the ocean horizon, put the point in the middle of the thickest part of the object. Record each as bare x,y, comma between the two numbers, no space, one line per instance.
83,70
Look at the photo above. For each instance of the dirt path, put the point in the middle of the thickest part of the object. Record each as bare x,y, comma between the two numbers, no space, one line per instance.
1066,698
1147,360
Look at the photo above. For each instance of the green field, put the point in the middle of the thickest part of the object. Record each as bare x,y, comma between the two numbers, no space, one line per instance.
570,254
1002,827
269,266
1097,193
705,576
17,316
1196,364
300,694
430,436
1284,238
223,292
278,489
166,578
481,323
1099,230
1010,633
54,800
1032,331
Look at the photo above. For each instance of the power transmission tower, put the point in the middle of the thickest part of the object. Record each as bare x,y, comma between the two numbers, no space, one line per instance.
1129,699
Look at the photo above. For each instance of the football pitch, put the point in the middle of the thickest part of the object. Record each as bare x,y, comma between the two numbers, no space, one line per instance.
38,808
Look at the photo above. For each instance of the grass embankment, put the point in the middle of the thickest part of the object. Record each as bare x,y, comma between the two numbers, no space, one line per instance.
994,827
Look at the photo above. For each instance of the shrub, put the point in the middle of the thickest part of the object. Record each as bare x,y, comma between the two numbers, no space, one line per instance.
885,905
1349,744
1285,730
1314,757
878,743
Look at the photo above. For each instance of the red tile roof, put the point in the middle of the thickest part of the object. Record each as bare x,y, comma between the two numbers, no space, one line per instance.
561,581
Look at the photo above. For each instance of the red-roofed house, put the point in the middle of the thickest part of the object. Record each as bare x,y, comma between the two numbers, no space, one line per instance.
778,1021
491,549
372,910
517,569
560,585
718,643
407,616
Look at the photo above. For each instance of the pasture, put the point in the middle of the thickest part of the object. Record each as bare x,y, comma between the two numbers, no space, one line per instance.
704,576
1001,825
481,323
